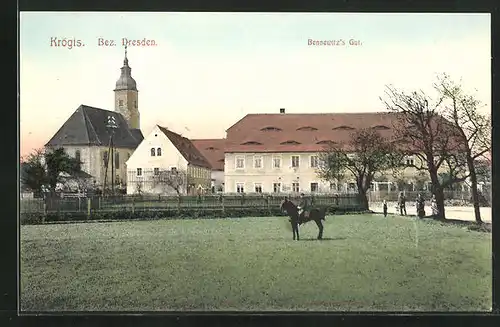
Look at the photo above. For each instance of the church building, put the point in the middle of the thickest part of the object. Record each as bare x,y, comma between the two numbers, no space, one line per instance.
92,134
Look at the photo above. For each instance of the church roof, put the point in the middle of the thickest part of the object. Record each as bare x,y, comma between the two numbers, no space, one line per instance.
87,126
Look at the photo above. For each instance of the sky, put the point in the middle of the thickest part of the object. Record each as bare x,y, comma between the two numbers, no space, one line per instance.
208,70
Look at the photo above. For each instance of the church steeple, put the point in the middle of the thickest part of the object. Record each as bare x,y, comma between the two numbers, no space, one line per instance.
126,82
126,95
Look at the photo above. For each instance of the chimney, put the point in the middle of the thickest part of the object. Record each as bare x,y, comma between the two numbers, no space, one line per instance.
282,110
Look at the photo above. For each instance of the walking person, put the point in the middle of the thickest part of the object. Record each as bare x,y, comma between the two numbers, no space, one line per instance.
402,204
385,209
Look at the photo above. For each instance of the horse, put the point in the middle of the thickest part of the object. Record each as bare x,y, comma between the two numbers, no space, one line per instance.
293,212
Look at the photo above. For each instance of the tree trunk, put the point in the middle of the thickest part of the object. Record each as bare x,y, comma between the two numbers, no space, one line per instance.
475,195
438,191
363,200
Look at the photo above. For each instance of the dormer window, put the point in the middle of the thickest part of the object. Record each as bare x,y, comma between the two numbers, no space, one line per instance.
326,142
211,148
307,128
289,142
343,127
153,152
251,143
271,129
380,128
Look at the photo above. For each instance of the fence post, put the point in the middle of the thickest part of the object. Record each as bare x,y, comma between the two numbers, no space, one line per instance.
178,204
222,202
268,204
44,211
99,203
133,205
89,206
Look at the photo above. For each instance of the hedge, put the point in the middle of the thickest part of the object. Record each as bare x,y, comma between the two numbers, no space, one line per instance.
164,213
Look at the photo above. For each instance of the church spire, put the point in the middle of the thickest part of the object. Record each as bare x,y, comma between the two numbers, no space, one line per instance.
126,82
125,61
126,95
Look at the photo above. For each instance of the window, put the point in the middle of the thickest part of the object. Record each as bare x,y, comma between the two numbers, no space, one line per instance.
117,160
343,127
314,161
240,187
157,171
314,187
77,155
173,169
307,128
271,129
257,162
258,188
120,103
158,152
295,161
135,104
277,162
139,171
240,162
410,161
295,187
276,187
290,142
153,153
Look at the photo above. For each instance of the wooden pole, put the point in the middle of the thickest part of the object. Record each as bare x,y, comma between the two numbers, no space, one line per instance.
88,207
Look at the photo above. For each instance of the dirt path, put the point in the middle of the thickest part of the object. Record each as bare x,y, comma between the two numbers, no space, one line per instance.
462,213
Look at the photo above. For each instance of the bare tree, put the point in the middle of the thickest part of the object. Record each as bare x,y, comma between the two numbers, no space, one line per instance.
423,133
171,180
366,154
473,129
138,188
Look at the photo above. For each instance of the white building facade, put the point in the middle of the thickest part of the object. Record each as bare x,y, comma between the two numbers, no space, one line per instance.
163,150
273,173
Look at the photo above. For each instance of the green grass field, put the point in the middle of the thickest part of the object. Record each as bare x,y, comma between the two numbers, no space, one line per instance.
366,262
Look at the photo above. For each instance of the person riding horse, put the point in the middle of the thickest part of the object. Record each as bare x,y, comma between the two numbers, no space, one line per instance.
303,207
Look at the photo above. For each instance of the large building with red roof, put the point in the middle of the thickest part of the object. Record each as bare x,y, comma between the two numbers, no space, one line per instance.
280,152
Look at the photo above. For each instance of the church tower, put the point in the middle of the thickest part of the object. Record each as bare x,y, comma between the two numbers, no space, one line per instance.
126,96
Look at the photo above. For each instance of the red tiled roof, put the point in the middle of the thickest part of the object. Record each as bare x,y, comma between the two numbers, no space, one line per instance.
212,150
186,148
302,132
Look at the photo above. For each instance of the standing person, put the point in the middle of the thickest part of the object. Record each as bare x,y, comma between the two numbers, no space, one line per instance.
402,204
434,206
420,204
385,209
